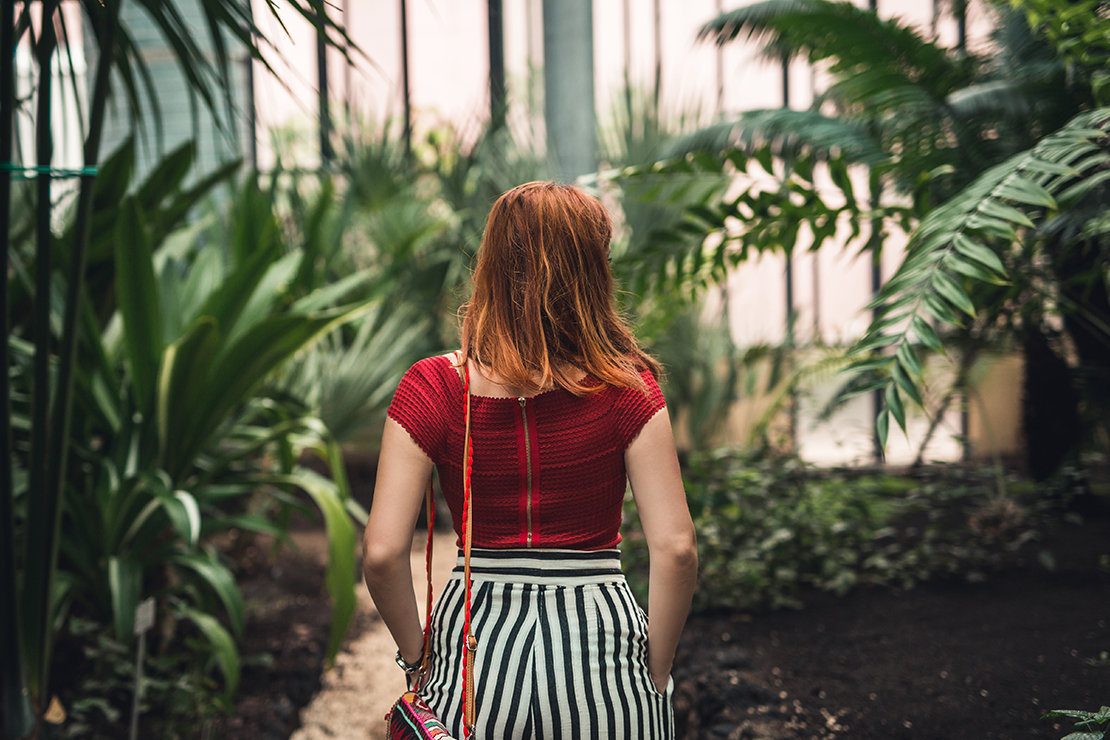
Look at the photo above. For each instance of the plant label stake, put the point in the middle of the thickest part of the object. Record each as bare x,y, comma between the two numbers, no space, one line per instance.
144,620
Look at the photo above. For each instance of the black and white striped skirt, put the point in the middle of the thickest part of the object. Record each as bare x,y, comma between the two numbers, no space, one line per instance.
562,650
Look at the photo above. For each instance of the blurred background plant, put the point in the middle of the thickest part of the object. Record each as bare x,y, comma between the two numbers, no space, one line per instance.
991,161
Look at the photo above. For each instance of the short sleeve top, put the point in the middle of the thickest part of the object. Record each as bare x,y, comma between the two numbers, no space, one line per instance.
548,469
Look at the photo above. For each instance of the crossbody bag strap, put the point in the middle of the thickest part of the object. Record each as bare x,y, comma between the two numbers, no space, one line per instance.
426,657
470,645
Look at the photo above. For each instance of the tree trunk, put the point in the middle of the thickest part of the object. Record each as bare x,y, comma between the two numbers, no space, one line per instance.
1050,405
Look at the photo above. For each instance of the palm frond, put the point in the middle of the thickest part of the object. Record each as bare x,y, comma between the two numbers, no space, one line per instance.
854,39
968,240
1008,97
789,133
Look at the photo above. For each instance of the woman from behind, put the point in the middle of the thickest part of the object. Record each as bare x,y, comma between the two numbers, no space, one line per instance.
565,414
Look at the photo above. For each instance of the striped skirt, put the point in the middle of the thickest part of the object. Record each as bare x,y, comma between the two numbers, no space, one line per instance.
562,650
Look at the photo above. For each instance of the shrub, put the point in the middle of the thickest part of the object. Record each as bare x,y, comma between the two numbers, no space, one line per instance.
768,527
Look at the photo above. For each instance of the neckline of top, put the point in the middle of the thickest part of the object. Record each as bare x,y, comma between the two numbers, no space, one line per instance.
453,371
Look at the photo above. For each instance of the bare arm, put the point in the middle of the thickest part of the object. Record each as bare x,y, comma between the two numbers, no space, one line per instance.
403,474
672,548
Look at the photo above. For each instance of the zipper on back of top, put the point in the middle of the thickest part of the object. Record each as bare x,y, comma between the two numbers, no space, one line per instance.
528,462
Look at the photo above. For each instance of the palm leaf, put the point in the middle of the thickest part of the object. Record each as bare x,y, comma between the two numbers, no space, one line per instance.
788,133
970,235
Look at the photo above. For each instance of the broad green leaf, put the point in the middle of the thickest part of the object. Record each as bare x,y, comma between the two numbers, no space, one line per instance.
926,334
993,227
964,266
167,176
223,646
872,341
969,247
1083,188
140,520
894,404
340,576
185,364
940,310
220,580
907,358
206,397
184,513
125,583
903,381
1045,167
1022,190
996,209
882,426
228,300
332,294
953,293
139,303
247,522
268,293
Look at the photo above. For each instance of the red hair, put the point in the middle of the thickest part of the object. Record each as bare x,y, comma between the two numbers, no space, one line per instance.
541,305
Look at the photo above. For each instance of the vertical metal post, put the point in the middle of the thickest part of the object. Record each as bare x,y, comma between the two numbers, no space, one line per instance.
138,686
875,248
720,62
405,93
959,9
568,70
789,277
252,110
348,66
627,16
40,510
817,338
16,708
326,153
498,105
658,30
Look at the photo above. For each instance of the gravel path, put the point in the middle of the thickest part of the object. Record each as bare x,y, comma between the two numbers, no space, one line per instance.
360,690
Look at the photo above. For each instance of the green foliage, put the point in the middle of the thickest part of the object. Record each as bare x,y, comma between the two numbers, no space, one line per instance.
1007,142
1080,31
178,692
768,527
67,363
1088,725
178,432
966,240
781,207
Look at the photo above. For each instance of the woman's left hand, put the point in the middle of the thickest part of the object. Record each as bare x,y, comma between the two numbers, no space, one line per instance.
661,684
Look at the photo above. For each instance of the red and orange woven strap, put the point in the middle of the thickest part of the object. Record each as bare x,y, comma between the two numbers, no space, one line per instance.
470,645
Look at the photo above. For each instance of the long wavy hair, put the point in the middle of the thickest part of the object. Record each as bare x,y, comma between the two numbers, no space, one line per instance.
541,304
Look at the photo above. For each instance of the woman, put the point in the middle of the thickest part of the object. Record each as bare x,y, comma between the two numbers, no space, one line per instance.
565,413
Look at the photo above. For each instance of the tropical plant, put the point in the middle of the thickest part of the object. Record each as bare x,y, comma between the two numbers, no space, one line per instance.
1088,725
770,526
28,607
172,413
919,123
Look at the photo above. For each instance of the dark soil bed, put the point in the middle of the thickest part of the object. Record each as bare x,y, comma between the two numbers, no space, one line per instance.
944,660
286,632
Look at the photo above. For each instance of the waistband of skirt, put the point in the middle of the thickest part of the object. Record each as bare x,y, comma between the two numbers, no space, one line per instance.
543,566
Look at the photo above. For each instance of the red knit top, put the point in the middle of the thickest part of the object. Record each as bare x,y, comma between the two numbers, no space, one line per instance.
548,469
